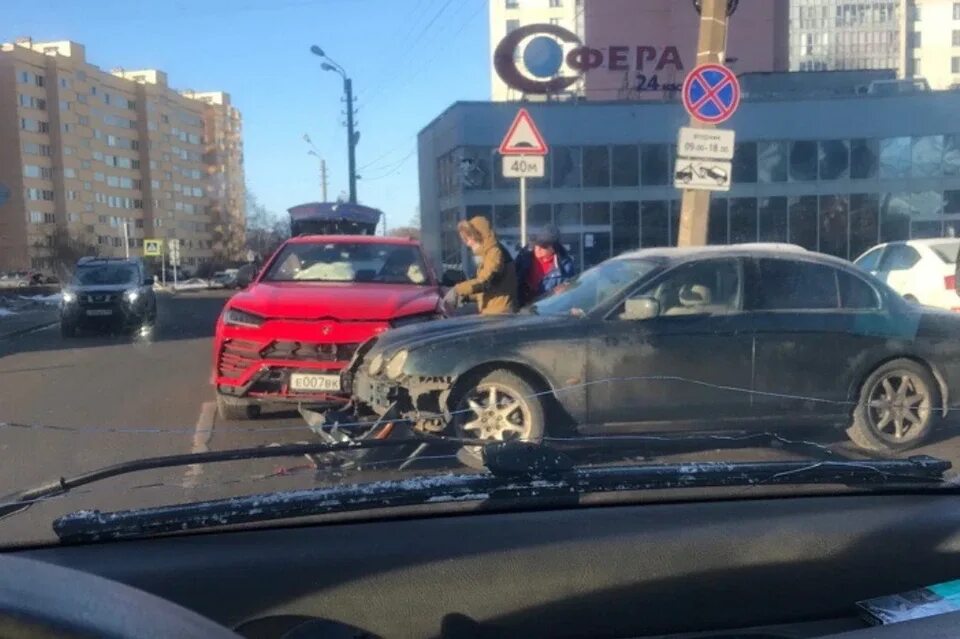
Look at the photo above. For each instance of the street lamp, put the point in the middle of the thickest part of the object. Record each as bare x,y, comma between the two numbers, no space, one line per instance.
331,65
315,152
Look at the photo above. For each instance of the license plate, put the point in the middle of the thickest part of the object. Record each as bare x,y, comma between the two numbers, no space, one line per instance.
312,382
99,312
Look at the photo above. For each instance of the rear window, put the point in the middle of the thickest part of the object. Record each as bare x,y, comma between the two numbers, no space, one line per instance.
946,251
786,285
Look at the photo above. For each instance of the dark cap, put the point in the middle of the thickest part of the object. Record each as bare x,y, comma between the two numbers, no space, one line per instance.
547,236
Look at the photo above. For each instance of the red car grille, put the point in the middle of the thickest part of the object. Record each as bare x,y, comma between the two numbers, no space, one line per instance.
237,356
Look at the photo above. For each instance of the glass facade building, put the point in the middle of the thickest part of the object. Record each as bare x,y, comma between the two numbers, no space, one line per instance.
836,175
829,35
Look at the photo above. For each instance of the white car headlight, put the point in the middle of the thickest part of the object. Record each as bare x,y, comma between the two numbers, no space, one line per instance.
376,364
395,365
235,317
132,295
69,297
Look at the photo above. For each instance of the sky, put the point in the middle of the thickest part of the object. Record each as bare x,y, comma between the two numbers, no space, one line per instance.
409,60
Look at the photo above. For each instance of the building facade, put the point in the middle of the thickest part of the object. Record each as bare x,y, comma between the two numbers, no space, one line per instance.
811,171
932,42
649,32
509,15
837,35
223,160
94,155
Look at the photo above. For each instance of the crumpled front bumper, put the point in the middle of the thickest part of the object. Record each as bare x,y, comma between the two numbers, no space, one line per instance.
419,401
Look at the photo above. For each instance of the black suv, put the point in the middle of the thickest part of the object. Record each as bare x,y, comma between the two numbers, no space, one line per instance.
107,293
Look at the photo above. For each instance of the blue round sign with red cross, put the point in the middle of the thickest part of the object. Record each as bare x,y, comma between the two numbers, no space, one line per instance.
711,93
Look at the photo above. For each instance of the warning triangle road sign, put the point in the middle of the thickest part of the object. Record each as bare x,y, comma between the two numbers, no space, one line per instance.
523,138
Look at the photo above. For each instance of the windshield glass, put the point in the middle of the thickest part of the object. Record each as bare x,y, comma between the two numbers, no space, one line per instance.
108,275
403,226
946,251
338,262
594,287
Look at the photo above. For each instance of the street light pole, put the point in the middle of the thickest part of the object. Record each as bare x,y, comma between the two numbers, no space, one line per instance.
352,136
351,140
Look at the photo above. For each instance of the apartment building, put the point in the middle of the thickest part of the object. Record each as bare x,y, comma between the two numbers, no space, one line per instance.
931,42
223,160
92,153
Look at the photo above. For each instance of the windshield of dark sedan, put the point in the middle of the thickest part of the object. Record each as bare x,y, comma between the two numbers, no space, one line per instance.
341,262
105,275
594,287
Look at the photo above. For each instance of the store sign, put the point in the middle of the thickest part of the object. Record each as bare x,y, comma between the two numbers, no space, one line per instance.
546,58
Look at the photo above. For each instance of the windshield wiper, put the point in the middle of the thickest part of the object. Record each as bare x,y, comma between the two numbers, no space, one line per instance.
24,499
518,474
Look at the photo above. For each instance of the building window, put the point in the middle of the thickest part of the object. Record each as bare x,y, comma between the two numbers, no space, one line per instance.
654,165
512,4
864,155
745,163
555,21
556,4
70,173
914,67
804,158
31,171
626,165
956,10
914,40
895,154
512,25
771,162
956,37
834,160
955,64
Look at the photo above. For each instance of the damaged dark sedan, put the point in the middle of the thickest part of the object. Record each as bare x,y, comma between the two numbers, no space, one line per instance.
668,340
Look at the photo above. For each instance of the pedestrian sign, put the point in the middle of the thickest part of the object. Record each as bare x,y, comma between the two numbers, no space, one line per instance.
522,137
152,248
711,93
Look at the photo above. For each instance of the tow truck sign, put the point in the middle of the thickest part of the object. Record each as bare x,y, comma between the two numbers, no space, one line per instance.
705,175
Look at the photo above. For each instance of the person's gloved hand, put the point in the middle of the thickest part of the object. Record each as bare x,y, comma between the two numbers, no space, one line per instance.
452,299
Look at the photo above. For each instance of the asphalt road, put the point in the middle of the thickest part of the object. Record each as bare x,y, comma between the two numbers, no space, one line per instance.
68,406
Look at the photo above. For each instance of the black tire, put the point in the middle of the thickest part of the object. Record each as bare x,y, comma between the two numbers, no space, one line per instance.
234,409
68,329
507,385
885,407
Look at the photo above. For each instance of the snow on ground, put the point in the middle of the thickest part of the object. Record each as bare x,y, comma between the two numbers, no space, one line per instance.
6,312
51,299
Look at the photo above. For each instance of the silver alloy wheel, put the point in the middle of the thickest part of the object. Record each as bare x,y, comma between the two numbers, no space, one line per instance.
899,406
495,412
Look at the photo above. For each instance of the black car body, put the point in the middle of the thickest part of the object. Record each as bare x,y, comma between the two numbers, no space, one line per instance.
107,293
771,333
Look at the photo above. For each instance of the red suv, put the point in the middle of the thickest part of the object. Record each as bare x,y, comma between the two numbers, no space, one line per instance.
287,335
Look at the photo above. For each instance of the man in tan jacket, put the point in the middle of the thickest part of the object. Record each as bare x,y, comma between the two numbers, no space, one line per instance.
495,286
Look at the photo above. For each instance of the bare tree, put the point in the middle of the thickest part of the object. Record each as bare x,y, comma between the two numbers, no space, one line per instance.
411,232
265,229
66,249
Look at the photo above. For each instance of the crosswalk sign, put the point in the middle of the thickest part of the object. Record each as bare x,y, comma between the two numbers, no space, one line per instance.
152,248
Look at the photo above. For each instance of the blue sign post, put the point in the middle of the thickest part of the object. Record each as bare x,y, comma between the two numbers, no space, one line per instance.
711,93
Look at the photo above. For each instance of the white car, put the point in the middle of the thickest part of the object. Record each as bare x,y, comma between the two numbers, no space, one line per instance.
923,271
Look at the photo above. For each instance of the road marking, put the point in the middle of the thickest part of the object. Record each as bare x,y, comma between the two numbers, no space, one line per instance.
201,438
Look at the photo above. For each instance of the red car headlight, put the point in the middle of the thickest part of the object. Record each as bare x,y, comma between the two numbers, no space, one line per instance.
236,317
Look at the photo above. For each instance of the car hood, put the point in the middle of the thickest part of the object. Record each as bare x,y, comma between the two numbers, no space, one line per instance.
431,333
335,300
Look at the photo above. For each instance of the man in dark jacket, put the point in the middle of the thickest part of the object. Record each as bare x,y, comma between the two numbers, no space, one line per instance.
543,265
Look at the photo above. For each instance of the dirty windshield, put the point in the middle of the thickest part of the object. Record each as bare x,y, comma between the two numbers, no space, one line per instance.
249,248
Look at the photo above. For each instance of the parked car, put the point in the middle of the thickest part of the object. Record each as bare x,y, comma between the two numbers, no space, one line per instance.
226,278
193,284
288,334
664,340
921,271
107,293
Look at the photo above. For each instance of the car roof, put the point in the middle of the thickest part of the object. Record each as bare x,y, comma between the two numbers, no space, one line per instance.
927,241
352,239
752,249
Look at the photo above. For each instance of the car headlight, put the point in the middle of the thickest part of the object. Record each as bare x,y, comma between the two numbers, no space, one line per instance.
395,365
234,317
132,295
413,319
69,297
376,364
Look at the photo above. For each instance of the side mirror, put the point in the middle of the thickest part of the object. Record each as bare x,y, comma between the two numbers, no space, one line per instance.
452,277
245,275
148,281
640,308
